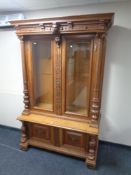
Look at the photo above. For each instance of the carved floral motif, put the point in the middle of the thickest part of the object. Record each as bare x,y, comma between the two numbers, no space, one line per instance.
58,84
55,28
58,41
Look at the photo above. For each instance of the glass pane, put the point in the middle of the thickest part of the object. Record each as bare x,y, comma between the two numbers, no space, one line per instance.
42,74
77,74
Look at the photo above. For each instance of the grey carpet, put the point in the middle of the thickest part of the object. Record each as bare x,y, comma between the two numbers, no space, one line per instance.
112,159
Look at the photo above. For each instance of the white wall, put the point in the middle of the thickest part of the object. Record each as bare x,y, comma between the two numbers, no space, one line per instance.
116,100
11,87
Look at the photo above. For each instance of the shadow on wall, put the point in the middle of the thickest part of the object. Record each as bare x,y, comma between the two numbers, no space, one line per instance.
116,99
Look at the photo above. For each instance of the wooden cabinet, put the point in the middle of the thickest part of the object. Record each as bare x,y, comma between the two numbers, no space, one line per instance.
63,63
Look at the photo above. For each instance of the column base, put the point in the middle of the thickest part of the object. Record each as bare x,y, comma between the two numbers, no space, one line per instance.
24,146
90,163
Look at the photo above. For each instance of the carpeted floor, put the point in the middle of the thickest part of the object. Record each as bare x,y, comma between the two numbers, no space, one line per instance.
112,159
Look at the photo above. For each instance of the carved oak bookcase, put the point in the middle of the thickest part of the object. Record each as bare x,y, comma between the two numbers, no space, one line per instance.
63,63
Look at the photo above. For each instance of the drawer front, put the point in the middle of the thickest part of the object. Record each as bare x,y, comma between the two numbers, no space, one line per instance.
75,139
41,132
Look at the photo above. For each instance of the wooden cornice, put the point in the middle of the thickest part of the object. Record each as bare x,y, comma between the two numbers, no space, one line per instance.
96,23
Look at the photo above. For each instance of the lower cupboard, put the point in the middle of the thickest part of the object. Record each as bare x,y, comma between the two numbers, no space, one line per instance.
69,142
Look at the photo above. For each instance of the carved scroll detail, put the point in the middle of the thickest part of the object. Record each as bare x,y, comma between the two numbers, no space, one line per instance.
58,87
55,28
42,26
70,25
58,78
58,41
21,38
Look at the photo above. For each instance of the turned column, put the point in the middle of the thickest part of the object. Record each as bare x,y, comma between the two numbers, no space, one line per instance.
92,151
97,77
24,140
25,91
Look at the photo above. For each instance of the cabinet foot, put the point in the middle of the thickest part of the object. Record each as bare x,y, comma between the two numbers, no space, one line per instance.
92,151
24,146
24,140
90,164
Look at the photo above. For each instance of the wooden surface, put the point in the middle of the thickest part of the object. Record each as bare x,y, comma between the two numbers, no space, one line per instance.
69,24
90,17
63,126
59,122
64,150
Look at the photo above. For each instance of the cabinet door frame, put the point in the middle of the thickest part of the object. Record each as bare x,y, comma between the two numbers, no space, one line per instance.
29,70
77,37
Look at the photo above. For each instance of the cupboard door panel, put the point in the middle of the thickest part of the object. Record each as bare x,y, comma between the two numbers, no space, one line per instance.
41,132
74,139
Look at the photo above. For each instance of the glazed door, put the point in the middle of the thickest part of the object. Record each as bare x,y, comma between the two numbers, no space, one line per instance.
59,77
40,73
77,57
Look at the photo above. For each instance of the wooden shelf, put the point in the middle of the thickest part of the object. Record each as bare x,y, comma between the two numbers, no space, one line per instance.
64,150
60,123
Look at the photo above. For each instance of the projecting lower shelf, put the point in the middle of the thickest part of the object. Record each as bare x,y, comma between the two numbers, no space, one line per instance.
60,123
68,151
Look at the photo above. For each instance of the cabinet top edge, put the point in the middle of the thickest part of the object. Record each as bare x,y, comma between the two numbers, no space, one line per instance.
107,18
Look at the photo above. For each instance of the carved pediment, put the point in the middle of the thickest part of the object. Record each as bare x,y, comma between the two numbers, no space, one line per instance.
98,23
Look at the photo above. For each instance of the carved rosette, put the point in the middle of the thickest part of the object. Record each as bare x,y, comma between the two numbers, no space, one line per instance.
23,141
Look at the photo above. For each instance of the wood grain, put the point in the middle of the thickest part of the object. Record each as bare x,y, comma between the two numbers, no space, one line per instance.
55,124
59,122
